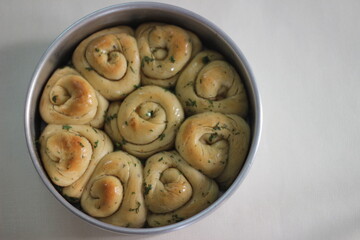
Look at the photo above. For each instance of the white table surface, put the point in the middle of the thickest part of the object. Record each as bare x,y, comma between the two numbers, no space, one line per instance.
304,183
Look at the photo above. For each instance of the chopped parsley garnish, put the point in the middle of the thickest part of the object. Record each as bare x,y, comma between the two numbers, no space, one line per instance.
212,136
206,59
147,60
190,103
82,145
136,210
160,159
217,127
66,127
117,145
176,218
137,86
54,98
96,143
191,83
97,50
172,59
147,188
211,102
161,136
132,69
111,117
89,68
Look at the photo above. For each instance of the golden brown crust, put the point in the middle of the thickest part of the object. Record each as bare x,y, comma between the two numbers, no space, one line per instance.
174,190
109,60
70,153
209,83
214,143
114,191
164,51
69,99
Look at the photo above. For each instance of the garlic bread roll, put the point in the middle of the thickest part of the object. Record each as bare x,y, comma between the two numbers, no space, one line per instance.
209,83
114,191
147,121
70,153
174,190
164,51
214,143
109,60
69,99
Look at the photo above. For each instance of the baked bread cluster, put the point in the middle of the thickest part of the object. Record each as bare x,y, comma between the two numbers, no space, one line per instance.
145,127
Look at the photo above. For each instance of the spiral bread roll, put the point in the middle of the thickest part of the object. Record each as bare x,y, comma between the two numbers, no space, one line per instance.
146,121
69,99
209,83
70,154
174,190
214,143
164,51
109,60
114,191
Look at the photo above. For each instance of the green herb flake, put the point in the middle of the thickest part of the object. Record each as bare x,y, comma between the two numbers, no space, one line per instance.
176,218
136,86
211,102
206,60
95,130
190,103
160,159
147,60
97,50
132,193
96,143
117,146
212,136
136,210
89,68
189,84
54,98
132,69
111,117
161,136
56,179
82,145
172,59
126,123
66,127
217,127
147,188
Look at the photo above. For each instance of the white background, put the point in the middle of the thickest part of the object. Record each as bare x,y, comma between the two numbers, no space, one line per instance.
304,183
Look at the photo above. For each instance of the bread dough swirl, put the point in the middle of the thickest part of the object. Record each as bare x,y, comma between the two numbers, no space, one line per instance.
164,51
114,191
70,153
174,190
146,121
214,143
69,99
109,60
209,83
